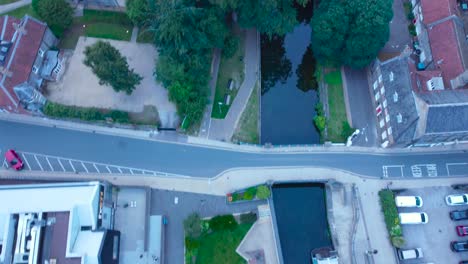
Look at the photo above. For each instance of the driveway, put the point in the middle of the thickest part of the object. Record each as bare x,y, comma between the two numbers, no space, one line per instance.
163,202
360,106
399,34
80,86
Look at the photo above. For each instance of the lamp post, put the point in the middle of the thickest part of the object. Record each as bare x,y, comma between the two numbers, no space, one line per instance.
219,106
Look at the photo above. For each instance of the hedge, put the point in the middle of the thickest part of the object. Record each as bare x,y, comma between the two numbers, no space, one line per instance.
83,113
387,201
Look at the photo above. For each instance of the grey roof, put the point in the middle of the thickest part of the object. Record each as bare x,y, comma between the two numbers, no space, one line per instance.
405,105
445,97
449,118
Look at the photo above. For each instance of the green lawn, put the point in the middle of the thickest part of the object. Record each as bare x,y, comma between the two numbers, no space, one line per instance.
247,129
220,247
232,68
145,36
98,24
20,12
336,107
4,2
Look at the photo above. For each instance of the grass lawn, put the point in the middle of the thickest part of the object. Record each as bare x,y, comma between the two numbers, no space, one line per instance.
247,129
4,2
220,246
336,107
97,24
232,68
145,36
20,12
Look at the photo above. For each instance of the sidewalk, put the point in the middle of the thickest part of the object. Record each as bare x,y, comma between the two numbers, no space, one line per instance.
12,6
223,129
206,121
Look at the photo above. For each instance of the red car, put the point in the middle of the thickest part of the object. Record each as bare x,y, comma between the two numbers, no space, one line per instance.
462,230
14,160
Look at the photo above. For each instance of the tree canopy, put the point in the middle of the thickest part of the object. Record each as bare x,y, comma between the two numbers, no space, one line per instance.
111,67
137,11
58,14
350,32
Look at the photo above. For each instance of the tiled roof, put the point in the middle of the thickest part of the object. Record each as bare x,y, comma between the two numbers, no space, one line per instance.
21,54
447,118
434,10
445,52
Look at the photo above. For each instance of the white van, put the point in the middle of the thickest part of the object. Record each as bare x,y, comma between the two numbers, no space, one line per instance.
413,218
414,253
408,201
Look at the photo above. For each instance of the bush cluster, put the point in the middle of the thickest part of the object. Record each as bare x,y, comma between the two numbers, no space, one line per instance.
223,222
87,114
387,201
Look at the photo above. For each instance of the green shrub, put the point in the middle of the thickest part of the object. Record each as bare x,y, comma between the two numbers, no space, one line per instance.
347,130
263,192
319,109
248,218
192,226
410,16
408,7
236,197
387,201
412,29
250,193
320,122
398,241
191,243
223,222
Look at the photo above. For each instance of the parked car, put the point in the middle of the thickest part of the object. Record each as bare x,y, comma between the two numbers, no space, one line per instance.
458,215
413,218
457,199
408,201
464,262
459,246
13,160
462,230
413,253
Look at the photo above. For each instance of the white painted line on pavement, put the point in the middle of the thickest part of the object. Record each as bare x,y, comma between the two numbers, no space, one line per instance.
61,165
50,165
386,173
94,164
26,161
38,163
431,170
73,167
447,165
416,171
86,169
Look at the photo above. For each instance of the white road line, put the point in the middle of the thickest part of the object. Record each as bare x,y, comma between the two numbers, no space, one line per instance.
431,170
50,165
94,164
386,167
38,163
447,166
73,167
86,169
385,171
26,161
107,167
416,171
61,165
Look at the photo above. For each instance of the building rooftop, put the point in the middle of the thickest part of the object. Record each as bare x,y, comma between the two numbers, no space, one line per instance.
447,118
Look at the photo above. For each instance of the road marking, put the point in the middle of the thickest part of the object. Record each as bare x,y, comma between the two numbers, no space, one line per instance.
387,173
73,167
50,165
416,171
86,169
38,163
431,170
61,165
26,161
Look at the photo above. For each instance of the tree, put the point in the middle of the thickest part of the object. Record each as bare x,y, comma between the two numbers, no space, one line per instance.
111,67
58,14
350,32
263,192
138,11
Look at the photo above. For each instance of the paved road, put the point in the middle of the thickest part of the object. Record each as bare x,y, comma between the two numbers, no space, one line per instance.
12,6
208,162
399,34
362,111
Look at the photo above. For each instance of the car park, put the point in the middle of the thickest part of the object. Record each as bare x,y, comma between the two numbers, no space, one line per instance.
456,199
459,215
14,161
408,201
462,230
413,253
459,246
413,218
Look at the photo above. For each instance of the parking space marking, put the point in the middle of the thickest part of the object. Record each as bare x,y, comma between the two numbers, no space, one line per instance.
38,163
26,161
431,170
421,170
460,168
393,171
416,171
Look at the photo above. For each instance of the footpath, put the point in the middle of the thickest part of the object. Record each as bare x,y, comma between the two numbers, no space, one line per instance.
12,6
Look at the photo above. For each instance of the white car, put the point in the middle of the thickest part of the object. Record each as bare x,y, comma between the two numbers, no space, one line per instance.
414,253
408,201
457,199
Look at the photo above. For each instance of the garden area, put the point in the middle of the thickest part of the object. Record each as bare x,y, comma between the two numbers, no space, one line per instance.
207,241
231,68
253,193
387,201
247,130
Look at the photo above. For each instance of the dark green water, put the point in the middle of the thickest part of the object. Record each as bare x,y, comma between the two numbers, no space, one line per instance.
301,220
288,94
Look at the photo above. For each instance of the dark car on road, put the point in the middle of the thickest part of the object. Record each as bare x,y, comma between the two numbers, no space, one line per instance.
458,215
13,159
459,246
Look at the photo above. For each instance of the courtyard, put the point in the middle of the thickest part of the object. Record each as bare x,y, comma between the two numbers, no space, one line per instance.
80,87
